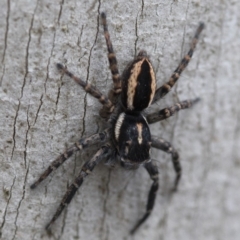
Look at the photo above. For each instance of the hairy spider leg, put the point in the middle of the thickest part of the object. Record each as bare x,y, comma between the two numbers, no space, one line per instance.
117,88
169,111
78,146
166,87
165,146
85,171
117,85
88,88
152,169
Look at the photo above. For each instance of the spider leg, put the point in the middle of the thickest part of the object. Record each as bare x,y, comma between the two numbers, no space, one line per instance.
112,60
166,87
169,111
78,146
152,169
165,146
117,88
88,88
72,189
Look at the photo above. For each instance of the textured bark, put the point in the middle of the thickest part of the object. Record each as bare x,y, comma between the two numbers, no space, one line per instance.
42,113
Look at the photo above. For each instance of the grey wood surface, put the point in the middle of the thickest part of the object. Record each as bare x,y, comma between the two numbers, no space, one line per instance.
42,113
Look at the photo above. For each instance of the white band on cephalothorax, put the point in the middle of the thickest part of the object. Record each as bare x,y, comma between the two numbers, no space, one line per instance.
139,130
118,125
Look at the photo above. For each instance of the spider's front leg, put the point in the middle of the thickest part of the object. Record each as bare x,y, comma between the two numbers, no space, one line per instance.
166,87
152,169
89,89
165,146
169,111
86,169
113,94
78,146
112,62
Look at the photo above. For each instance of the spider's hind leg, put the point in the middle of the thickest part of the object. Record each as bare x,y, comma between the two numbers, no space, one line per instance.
72,189
78,146
166,87
152,169
165,146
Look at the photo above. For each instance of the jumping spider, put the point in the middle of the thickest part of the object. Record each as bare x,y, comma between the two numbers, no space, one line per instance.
127,139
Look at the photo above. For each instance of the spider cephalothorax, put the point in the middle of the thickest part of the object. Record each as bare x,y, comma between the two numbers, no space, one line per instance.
133,138
128,138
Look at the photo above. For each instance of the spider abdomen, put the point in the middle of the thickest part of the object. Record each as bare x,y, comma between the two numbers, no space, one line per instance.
138,84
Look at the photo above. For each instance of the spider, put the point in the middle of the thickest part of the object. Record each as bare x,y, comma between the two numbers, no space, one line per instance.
127,140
